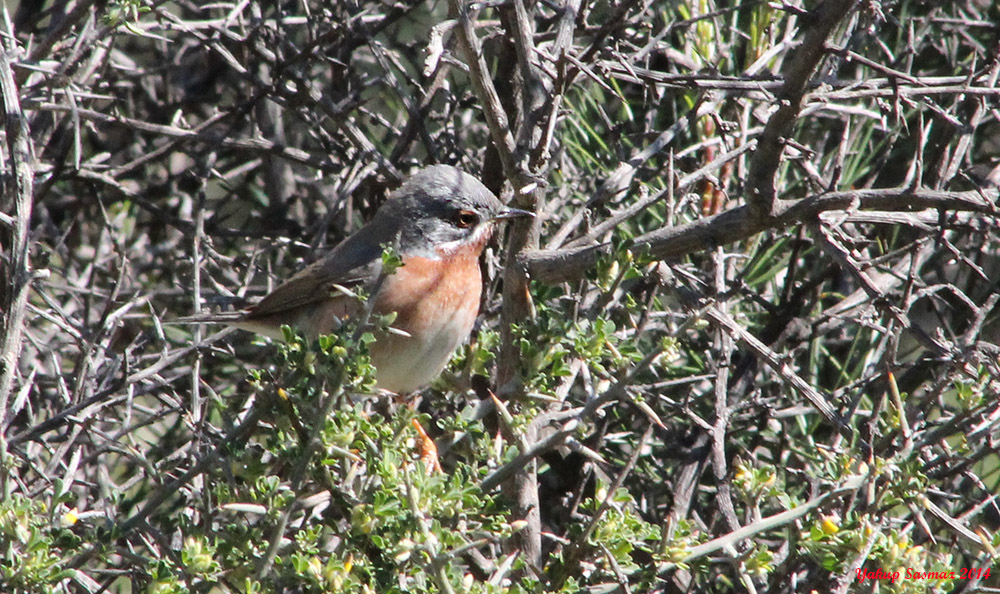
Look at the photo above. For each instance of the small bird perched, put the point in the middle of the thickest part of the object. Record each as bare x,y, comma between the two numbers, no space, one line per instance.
439,222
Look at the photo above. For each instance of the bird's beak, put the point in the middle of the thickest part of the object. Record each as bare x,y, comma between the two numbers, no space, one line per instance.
512,213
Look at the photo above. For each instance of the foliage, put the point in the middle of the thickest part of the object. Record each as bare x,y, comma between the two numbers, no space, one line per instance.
749,343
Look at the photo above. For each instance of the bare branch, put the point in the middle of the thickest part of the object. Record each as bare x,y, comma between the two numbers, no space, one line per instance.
496,118
799,67
562,265
18,187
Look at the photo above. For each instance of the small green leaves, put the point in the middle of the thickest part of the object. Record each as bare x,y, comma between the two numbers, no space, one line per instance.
198,558
32,556
125,13
391,260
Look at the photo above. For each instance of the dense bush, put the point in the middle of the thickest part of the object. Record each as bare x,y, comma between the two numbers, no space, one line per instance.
748,344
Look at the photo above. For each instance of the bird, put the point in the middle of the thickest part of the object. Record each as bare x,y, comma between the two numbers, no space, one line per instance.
438,221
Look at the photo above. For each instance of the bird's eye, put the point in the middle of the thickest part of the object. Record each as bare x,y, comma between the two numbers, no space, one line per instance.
465,219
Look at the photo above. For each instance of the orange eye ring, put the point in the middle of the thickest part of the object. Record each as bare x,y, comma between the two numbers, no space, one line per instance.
466,218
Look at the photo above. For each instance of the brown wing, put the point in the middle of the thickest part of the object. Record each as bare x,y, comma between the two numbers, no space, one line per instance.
310,300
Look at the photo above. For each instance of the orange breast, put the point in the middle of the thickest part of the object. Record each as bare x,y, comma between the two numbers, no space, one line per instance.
436,302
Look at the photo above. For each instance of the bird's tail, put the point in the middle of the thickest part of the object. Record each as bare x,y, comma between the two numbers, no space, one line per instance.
225,317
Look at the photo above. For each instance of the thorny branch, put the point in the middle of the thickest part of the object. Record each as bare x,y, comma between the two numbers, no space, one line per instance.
17,182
